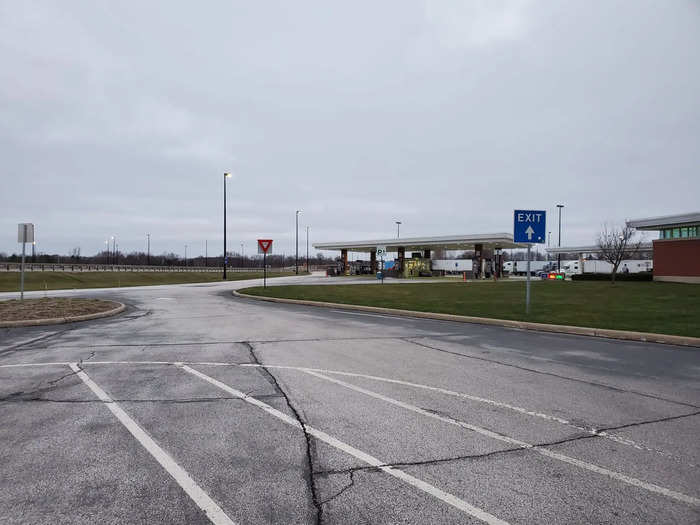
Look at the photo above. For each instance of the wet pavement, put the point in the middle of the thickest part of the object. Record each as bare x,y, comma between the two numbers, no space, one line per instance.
195,406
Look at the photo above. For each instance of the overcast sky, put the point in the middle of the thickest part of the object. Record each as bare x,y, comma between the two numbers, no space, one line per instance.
119,118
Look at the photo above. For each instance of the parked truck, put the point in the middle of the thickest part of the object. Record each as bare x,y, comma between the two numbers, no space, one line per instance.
594,266
520,267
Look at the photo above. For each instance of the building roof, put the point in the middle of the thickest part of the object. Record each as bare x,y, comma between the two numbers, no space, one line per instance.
449,242
667,221
593,248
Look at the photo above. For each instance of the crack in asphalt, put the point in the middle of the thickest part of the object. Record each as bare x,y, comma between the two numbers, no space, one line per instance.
311,477
559,376
19,346
571,439
347,487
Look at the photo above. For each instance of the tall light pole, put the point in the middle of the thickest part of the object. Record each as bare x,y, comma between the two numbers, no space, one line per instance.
226,176
33,254
185,255
560,206
107,249
296,257
114,249
242,253
398,229
307,249
206,252
549,242
148,249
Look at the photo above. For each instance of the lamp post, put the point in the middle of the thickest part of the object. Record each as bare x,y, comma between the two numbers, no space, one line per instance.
107,250
307,249
398,229
242,253
226,176
148,249
296,257
114,249
185,255
560,206
33,253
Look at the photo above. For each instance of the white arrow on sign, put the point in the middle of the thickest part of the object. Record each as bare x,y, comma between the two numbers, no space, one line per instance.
529,233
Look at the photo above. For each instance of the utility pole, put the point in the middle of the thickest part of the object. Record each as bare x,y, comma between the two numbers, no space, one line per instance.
296,257
560,206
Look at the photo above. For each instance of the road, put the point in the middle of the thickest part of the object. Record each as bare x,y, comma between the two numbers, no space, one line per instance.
198,407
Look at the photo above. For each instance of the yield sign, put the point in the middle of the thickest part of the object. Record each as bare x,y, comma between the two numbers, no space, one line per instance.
264,245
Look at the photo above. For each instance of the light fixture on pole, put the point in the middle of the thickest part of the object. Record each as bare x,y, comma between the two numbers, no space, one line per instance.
226,176
560,206
296,256
398,229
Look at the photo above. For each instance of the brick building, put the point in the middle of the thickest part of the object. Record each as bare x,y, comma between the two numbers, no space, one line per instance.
677,250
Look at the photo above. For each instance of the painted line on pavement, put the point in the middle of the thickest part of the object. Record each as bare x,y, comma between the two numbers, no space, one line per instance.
446,497
612,437
215,514
522,444
604,434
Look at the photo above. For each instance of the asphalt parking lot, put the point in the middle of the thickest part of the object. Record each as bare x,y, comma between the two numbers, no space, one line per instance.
195,407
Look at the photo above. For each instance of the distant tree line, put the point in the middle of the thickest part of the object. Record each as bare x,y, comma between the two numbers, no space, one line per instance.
235,260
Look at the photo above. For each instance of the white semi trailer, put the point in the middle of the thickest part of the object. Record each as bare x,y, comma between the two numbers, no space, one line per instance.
520,267
593,266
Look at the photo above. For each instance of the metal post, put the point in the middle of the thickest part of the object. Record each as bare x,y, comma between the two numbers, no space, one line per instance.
206,253
148,253
226,175
307,249
560,206
296,257
21,280
398,229
527,285
265,269
185,255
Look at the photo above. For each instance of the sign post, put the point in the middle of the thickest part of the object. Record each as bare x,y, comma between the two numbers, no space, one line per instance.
381,252
25,234
264,246
529,226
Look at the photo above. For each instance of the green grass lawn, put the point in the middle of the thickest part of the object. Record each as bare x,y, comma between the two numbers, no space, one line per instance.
668,308
9,281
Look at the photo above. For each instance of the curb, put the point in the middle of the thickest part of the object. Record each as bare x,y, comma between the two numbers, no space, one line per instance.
61,320
645,337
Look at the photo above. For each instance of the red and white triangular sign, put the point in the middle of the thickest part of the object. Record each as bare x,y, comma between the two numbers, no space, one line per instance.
264,245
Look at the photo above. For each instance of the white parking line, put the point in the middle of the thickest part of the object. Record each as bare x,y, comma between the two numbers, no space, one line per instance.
522,444
362,456
215,514
592,431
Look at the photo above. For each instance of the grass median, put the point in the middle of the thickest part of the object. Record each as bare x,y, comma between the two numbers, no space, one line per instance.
666,308
51,308
9,281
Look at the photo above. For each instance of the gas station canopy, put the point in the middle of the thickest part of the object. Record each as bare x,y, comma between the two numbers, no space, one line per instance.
450,242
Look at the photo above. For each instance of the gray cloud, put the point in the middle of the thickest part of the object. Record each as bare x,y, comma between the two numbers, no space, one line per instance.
119,118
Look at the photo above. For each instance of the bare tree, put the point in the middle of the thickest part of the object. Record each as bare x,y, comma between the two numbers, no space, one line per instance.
616,244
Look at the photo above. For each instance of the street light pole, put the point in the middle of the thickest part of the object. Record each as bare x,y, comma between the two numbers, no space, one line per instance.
560,206
398,229
148,250
307,249
185,255
226,176
296,257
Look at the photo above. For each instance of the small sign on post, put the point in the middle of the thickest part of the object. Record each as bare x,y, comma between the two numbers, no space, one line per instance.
529,226
25,234
381,252
264,246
